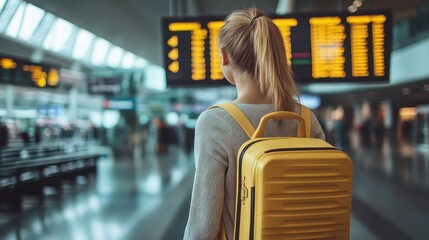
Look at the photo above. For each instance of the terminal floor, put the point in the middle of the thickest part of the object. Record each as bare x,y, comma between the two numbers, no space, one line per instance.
146,196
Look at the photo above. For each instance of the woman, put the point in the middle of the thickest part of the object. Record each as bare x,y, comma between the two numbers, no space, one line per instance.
254,60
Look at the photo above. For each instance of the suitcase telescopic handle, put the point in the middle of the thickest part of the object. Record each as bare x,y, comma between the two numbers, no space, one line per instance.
280,115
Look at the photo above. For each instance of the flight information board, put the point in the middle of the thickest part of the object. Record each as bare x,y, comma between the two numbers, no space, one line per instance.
338,47
25,73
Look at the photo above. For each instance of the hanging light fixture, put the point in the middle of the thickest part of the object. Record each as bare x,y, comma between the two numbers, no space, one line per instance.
352,8
357,3
355,6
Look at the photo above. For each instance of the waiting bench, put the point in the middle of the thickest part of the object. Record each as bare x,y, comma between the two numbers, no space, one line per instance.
33,174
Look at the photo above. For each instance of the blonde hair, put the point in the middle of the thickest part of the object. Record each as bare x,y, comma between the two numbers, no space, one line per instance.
256,46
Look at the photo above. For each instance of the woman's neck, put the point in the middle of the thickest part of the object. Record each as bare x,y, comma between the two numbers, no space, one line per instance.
248,90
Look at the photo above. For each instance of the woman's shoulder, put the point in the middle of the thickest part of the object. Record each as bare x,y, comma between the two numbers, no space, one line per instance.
212,114
214,118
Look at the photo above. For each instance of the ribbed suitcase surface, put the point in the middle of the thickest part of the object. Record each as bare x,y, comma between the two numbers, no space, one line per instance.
295,188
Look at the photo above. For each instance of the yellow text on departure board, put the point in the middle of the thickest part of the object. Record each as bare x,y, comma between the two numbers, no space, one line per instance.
40,77
198,36
53,77
215,64
285,25
359,42
37,74
327,47
7,63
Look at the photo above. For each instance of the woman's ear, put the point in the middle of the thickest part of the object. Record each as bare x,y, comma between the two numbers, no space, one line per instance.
224,56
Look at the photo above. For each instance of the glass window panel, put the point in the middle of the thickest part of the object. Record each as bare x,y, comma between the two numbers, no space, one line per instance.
42,30
6,15
49,40
140,63
83,41
155,77
33,16
128,60
100,51
14,26
115,56
2,3
58,35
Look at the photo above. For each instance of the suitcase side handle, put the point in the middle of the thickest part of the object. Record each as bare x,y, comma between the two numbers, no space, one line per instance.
280,115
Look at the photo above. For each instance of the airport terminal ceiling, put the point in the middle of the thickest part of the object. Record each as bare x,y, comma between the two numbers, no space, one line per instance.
135,25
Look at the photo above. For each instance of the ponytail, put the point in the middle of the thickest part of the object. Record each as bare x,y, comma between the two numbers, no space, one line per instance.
257,47
272,70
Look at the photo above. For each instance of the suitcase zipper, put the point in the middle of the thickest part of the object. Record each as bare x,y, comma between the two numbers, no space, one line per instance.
238,205
252,213
297,149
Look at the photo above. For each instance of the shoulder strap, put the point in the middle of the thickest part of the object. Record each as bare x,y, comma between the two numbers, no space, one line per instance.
239,116
247,126
306,114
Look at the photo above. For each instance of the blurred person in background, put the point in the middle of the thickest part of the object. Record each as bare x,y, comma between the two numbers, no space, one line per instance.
4,134
37,133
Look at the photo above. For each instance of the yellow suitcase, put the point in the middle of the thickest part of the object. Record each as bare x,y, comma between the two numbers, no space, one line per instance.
290,187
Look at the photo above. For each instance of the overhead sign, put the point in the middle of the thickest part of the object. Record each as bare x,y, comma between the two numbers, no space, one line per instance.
104,85
49,110
25,73
120,104
320,47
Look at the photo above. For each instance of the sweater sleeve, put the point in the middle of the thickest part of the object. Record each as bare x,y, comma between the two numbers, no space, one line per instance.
208,189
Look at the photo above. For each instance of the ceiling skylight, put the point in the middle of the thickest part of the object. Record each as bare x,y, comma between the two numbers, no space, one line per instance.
32,17
100,51
83,42
10,7
58,35
128,60
2,3
140,63
115,56
15,24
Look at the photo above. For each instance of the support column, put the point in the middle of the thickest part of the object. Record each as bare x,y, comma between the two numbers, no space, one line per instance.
73,95
340,5
9,101
172,8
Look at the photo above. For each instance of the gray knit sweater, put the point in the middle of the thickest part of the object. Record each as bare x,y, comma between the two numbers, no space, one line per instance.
218,138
